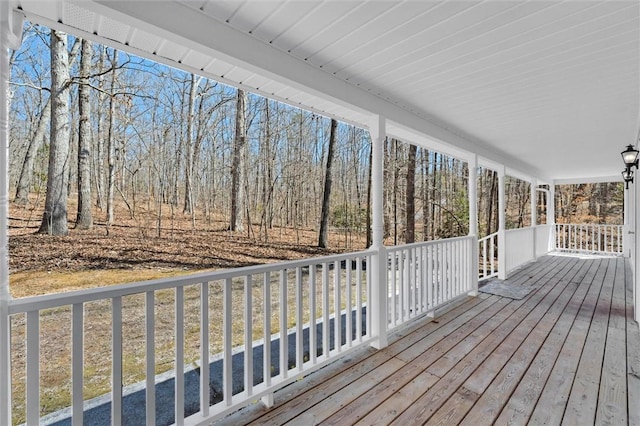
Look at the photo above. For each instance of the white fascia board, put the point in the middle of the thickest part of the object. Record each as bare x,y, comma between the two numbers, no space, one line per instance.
183,24
594,179
189,27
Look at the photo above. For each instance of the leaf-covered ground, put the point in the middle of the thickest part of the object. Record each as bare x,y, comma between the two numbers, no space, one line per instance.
132,245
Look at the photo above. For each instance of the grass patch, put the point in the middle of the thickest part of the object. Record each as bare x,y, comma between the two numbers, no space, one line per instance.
56,327
30,283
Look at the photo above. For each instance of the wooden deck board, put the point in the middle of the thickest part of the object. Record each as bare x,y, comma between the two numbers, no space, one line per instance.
633,355
570,344
522,402
491,353
552,402
496,394
386,389
612,404
581,408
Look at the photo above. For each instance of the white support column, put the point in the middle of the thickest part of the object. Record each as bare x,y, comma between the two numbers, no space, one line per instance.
10,37
626,223
635,243
551,215
473,194
534,202
631,221
473,220
502,224
378,306
534,213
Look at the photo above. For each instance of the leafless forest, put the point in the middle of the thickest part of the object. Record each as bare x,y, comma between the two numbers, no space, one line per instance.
94,128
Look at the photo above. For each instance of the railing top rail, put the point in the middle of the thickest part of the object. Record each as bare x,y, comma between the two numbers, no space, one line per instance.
48,301
525,229
495,234
34,303
589,224
428,243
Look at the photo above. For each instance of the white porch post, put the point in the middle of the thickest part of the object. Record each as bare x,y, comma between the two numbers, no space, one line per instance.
534,213
473,220
10,37
378,306
635,244
502,243
534,202
551,215
626,223
629,224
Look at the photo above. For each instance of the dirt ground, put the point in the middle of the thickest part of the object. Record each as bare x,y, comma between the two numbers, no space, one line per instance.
131,250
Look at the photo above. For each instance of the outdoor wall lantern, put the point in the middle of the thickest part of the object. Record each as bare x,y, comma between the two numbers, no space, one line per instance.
630,158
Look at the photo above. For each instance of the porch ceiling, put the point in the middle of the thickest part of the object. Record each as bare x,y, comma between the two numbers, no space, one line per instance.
549,88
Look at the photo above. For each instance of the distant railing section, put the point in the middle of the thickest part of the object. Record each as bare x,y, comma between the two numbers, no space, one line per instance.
488,256
520,247
318,302
589,238
544,239
424,276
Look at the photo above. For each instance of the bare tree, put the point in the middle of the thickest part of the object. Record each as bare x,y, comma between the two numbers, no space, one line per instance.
410,235
38,140
54,219
99,166
238,164
326,197
111,143
35,143
188,167
84,219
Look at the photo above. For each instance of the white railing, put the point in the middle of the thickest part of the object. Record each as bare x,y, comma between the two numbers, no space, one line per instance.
320,303
589,238
424,276
520,247
544,238
288,319
488,256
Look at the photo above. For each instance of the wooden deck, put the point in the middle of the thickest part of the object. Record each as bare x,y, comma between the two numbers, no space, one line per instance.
568,353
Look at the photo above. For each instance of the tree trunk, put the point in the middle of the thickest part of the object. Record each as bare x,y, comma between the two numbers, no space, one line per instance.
267,178
84,219
425,194
493,216
410,235
111,150
237,164
54,220
36,142
188,166
369,218
326,196
394,194
26,173
102,97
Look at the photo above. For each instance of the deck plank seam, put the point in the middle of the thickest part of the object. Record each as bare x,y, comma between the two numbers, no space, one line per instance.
549,318
596,314
538,295
569,313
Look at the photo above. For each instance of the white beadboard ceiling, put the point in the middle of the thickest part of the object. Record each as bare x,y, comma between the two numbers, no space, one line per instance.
548,88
